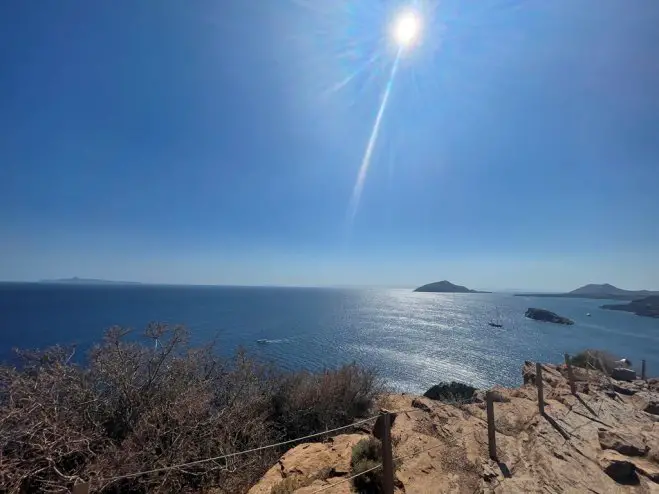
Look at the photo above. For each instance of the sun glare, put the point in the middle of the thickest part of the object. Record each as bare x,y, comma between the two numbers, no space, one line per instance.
406,28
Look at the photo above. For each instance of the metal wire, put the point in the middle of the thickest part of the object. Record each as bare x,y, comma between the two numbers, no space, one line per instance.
231,455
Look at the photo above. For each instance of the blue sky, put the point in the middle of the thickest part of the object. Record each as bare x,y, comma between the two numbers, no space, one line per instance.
220,142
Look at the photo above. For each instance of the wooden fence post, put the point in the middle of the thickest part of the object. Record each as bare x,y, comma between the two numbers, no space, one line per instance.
81,488
643,369
387,456
491,431
538,383
570,374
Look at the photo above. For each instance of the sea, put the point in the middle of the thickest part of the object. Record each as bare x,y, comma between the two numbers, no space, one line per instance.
415,340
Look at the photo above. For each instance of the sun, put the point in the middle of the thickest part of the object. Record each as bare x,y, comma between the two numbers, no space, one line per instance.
406,29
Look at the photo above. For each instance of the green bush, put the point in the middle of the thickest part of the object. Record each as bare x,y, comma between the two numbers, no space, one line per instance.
367,454
137,405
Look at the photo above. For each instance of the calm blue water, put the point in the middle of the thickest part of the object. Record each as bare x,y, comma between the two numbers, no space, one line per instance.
415,339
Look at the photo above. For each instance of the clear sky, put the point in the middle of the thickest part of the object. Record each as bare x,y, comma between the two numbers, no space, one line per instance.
220,142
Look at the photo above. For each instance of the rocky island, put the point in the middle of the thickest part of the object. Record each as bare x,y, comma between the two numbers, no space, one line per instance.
648,306
546,316
445,287
86,281
594,291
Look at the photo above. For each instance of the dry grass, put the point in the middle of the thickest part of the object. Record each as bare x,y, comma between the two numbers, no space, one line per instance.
141,405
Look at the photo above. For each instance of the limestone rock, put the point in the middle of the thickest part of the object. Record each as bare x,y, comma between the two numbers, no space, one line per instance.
417,403
625,389
624,443
650,469
613,445
309,460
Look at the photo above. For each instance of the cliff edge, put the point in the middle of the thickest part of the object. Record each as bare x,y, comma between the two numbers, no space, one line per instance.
604,440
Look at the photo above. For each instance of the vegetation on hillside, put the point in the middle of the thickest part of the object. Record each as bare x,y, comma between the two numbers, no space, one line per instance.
142,404
595,359
365,461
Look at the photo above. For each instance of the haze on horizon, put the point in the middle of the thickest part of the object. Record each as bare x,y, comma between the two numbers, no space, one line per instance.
220,143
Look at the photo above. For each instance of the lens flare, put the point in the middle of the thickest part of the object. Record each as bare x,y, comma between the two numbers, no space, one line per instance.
366,161
406,30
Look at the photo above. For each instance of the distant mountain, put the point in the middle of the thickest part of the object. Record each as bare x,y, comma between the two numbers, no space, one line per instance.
445,287
87,281
607,289
604,291
648,306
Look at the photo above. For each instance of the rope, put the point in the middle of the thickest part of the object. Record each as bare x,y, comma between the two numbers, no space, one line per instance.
232,455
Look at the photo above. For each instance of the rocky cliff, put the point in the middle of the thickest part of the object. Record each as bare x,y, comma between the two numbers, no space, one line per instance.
604,440
648,306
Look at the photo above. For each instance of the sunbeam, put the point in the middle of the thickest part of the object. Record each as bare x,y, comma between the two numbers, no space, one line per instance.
405,33
366,161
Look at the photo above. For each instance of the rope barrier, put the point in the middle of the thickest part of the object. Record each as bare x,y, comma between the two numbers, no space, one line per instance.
232,455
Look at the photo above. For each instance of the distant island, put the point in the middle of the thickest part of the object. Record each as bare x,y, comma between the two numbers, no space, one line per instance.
445,287
648,306
87,281
546,316
605,291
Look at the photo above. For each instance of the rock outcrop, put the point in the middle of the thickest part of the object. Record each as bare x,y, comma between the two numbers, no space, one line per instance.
546,316
451,392
612,444
445,287
623,374
648,306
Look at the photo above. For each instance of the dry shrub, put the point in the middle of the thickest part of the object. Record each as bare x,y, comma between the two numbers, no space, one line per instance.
305,403
137,406
595,359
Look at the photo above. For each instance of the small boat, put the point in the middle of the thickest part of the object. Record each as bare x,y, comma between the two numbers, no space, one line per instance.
495,325
588,314
262,342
